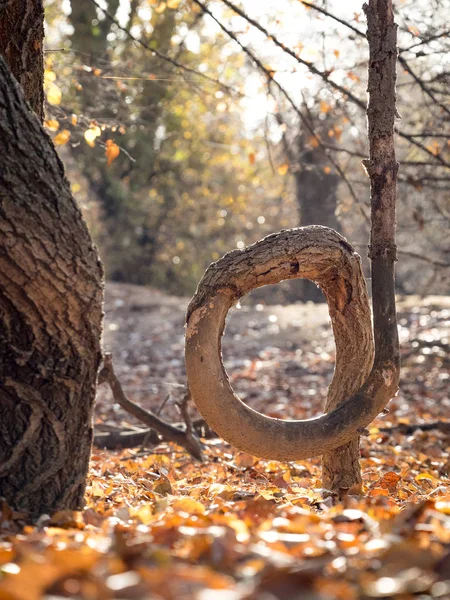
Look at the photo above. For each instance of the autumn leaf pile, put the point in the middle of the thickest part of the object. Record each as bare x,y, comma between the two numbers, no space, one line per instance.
159,525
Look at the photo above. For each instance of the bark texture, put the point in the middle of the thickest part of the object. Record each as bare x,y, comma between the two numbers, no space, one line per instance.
21,43
51,313
382,168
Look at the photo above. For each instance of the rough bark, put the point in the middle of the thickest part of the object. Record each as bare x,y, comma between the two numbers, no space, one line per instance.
382,168
322,255
21,42
51,296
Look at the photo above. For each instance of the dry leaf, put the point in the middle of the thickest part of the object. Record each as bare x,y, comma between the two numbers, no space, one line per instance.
112,151
91,134
62,137
54,94
52,124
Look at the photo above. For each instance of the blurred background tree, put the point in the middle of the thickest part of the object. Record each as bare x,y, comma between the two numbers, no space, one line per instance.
191,129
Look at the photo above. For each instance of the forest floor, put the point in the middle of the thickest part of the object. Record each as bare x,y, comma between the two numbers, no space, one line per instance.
160,525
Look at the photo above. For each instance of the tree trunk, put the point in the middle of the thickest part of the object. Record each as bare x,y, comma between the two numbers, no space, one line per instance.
319,254
316,193
382,168
21,41
341,469
51,318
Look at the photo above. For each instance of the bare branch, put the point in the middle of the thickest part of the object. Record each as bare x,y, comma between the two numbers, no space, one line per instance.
325,76
162,56
305,122
422,85
168,432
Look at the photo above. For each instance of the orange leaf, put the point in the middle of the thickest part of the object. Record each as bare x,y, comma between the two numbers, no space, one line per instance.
62,137
389,481
251,158
52,124
324,106
377,492
314,141
352,76
112,151
338,133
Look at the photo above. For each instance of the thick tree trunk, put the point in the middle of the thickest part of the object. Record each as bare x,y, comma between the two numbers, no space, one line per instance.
21,42
50,319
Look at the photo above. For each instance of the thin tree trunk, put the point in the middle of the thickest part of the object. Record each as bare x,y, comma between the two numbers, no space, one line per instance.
50,318
341,467
382,168
21,42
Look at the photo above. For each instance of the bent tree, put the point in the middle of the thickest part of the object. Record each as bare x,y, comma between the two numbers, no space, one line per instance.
363,381
51,292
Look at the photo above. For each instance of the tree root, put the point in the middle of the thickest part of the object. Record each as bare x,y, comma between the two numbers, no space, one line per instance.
187,439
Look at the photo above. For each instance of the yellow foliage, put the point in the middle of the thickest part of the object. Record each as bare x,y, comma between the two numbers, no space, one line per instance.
324,106
160,8
91,134
54,94
62,138
52,125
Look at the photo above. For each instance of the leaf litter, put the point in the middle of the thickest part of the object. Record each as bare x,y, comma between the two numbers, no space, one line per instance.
160,525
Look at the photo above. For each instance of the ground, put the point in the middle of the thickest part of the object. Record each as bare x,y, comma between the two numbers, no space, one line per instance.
162,525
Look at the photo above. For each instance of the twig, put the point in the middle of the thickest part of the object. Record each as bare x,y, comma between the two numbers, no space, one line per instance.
119,439
162,56
168,432
270,80
325,76
184,410
163,403
422,85
431,261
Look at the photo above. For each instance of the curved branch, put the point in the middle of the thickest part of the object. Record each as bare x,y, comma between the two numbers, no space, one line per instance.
316,253
186,439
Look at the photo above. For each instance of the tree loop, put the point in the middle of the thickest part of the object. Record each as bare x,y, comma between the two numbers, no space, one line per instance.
325,257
